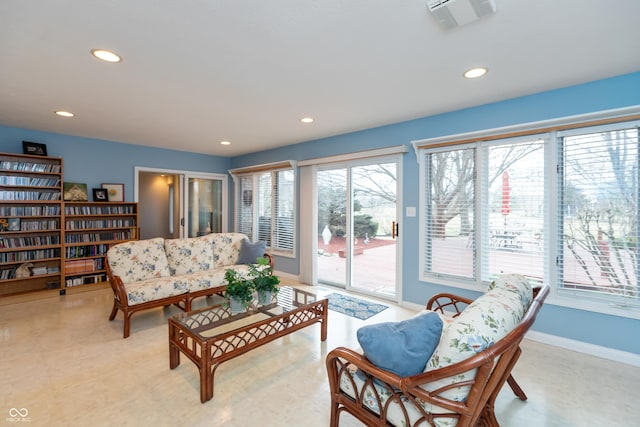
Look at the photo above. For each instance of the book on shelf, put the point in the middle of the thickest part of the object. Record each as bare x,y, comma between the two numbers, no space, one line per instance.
38,271
78,266
85,280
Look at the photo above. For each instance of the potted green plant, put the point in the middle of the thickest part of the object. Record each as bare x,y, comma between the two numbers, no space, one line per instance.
264,282
239,290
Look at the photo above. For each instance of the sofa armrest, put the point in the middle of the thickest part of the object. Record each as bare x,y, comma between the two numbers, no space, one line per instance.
119,292
444,301
270,258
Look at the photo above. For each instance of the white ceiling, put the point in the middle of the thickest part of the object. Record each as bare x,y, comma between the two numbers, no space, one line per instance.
196,72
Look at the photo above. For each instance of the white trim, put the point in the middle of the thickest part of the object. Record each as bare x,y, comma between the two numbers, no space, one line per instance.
620,356
399,149
531,126
285,164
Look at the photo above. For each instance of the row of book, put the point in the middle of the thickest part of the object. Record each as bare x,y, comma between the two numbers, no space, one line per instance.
24,225
83,266
83,251
27,241
99,237
40,270
29,167
31,255
104,223
30,195
10,273
53,210
99,210
85,280
26,181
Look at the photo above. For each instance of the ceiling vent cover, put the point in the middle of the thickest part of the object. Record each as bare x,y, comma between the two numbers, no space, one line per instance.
453,13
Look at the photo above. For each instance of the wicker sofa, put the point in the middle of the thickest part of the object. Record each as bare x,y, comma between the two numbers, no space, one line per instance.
473,358
151,273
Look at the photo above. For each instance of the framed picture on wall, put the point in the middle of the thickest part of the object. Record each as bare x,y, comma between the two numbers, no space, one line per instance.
100,195
74,192
115,192
34,148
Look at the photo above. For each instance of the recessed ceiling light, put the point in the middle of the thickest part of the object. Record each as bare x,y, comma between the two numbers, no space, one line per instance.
306,120
225,142
475,72
63,113
106,55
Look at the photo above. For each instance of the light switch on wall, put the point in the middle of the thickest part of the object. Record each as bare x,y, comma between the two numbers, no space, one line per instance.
411,211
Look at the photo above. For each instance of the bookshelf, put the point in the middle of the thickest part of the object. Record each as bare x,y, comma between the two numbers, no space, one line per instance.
30,223
90,229
60,245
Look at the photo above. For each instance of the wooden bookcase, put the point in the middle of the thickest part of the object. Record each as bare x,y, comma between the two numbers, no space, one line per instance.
64,244
30,223
90,229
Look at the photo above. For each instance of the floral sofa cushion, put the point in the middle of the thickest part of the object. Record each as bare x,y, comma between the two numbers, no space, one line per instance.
187,256
485,321
139,260
225,246
155,289
211,278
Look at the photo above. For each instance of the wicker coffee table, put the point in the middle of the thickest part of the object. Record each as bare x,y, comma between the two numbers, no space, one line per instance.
213,335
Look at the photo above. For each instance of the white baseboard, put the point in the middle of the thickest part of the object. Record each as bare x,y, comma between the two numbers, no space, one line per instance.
625,357
620,356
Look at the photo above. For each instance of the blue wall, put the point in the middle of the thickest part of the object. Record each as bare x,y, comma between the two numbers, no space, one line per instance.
618,92
96,161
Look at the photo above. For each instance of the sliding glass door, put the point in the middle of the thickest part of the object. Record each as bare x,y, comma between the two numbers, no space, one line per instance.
177,203
356,226
204,206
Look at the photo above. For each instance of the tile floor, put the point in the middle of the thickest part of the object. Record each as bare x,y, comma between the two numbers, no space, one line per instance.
67,365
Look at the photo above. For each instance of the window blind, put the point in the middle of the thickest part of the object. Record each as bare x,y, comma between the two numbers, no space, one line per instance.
599,212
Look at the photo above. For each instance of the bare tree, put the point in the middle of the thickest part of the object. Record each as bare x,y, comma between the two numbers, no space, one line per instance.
452,176
603,236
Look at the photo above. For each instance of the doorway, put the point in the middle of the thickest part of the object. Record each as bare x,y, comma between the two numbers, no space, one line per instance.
357,226
174,204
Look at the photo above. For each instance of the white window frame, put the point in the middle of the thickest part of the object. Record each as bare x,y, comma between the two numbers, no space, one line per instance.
623,118
254,173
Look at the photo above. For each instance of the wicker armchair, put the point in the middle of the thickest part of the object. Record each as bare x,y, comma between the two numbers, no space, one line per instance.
379,398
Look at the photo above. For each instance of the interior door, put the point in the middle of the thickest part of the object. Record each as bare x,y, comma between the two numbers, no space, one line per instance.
175,203
204,202
357,213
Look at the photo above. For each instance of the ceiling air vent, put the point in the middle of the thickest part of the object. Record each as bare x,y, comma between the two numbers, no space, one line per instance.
453,13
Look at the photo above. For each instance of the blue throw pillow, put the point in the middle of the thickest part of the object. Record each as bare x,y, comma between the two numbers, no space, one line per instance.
250,252
402,347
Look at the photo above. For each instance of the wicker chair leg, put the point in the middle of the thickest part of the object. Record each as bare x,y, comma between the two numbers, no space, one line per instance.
114,311
516,388
127,324
335,415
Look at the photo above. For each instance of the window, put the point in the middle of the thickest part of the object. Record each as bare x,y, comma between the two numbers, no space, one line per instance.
599,212
558,206
484,210
265,207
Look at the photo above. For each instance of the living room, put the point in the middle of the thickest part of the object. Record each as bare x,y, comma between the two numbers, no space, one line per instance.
132,377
